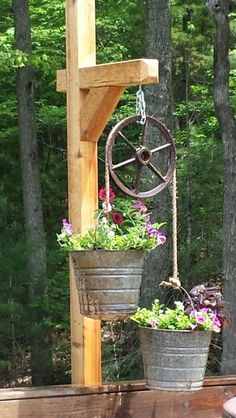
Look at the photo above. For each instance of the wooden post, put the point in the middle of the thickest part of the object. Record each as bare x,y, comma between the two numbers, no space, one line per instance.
82,181
93,92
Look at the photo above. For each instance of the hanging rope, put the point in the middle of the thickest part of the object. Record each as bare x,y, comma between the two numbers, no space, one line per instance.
174,281
174,221
106,205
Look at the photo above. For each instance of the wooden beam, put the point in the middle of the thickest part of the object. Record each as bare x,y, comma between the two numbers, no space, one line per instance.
120,401
96,111
124,73
82,181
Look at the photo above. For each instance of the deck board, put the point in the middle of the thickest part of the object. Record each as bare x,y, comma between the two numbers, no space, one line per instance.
123,400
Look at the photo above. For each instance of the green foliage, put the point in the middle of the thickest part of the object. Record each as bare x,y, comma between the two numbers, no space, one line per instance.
115,29
122,226
173,319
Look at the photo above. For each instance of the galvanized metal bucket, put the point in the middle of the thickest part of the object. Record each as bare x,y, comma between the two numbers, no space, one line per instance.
108,282
174,360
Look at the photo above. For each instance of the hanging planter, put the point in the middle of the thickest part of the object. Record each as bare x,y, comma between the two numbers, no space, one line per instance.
108,259
108,282
175,341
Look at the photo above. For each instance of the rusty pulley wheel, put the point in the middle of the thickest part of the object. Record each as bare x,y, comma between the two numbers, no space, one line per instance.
133,162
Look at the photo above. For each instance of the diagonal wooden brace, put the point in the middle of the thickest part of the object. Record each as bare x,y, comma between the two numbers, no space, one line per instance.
96,111
104,85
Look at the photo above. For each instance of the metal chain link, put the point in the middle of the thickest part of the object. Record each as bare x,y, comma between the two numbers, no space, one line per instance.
141,105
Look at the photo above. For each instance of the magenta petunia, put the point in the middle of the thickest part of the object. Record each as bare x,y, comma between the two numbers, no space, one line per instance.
117,218
216,321
200,319
102,194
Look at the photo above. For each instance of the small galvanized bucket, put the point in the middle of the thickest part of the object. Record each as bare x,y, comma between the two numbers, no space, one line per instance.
108,282
174,360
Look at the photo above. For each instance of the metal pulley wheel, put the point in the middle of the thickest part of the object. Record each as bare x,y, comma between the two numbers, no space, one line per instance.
134,163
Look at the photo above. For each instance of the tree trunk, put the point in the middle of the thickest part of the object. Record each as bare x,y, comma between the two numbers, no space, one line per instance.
158,104
224,112
32,197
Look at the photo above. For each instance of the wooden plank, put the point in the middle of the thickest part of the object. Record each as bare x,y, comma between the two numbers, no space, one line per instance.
82,181
96,111
220,381
206,403
75,390
124,73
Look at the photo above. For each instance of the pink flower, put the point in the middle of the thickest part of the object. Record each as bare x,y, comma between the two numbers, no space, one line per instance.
152,231
216,321
160,238
102,194
117,218
198,316
200,319
67,228
140,206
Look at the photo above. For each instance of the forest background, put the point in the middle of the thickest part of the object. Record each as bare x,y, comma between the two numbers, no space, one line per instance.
200,173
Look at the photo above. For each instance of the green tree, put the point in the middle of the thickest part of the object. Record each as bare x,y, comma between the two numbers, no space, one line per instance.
41,367
225,115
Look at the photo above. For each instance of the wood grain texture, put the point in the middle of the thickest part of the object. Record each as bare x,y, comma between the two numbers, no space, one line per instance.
96,111
129,400
82,181
123,73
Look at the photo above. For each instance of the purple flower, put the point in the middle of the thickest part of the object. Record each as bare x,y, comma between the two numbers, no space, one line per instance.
216,323
152,231
198,316
216,320
140,206
160,238
67,228
200,319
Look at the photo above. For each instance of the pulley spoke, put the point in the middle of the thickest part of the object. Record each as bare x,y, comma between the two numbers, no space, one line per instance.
123,163
164,146
155,171
127,141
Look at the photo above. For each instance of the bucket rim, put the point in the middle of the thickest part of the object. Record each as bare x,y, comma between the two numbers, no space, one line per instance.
108,251
185,331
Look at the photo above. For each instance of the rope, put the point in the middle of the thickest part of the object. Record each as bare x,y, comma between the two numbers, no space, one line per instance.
174,221
107,206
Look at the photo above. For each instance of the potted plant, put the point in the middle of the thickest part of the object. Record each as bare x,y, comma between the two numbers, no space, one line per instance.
108,258
175,341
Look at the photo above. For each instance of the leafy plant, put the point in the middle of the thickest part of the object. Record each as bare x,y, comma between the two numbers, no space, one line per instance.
120,225
194,313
